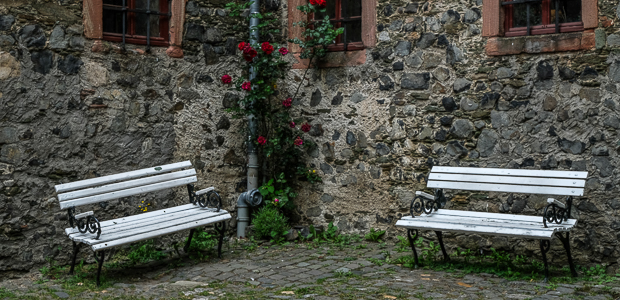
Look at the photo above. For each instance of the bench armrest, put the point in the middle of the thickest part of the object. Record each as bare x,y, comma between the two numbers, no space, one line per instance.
425,195
204,191
205,198
556,211
427,202
91,224
84,215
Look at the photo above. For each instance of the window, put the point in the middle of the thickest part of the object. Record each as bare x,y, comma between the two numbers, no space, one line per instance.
136,21
359,19
146,22
543,18
347,14
529,26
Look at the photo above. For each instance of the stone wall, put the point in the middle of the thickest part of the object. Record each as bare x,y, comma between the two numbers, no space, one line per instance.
427,95
71,112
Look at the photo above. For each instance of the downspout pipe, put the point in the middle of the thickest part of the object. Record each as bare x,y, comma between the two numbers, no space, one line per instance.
244,202
243,215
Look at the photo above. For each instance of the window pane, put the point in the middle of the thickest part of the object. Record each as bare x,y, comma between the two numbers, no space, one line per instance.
142,4
112,21
353,31
142,19
331,11
570,11
113,2
351,8
519,14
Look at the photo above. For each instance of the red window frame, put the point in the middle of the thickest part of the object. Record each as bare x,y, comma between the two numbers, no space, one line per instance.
131,37
547,27
337,21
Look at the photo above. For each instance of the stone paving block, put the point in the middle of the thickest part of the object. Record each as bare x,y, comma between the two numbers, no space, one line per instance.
224,276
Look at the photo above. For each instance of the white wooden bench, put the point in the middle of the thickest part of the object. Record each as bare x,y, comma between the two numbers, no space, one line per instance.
554,222
204,208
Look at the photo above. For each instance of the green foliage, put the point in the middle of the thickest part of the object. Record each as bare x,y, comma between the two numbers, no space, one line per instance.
201,241
500,263
282,145
278,193
251,244
4,293
317,35
374,235
270,223
309,174
145,252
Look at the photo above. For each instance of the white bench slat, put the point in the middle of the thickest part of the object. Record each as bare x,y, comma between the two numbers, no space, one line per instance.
127,192
61,188
160,232
490,222
579,183
125,185
120,226
525,189
513,172
477,214
477,229
153,214
115,235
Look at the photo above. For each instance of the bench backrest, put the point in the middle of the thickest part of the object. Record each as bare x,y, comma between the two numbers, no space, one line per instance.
121,185
567,183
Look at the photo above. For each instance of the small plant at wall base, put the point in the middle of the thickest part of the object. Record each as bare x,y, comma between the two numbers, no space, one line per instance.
282,137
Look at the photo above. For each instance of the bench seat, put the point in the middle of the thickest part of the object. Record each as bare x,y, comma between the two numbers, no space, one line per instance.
486,224
149,225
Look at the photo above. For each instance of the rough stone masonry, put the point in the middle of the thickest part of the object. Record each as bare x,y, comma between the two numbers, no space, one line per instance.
426,95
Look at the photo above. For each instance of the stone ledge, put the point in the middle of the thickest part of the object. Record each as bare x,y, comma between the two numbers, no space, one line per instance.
540,43
335,59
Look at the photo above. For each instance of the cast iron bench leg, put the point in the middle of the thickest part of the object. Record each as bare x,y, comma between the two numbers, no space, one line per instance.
566,242
76,249
221,230
411,241
189,241
544,248
99,260
443,249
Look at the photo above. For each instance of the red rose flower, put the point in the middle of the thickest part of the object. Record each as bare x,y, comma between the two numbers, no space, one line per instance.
291,124
243,45
261,140
283,51
266,48
298,141
313,2
246,86
288,102
306,127
226,79
249,53
321,3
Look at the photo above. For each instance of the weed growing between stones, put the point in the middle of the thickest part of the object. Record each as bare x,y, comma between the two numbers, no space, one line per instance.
500,263
145,252
374,235
202,241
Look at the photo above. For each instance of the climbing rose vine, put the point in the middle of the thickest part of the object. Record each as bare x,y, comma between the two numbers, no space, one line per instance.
282,143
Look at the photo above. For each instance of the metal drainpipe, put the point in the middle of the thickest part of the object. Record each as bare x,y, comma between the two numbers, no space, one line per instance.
243,215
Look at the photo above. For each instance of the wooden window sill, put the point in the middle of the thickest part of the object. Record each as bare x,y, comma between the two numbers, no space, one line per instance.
541,43
334,59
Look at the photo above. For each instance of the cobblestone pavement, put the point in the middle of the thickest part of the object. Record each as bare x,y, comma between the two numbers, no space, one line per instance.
296,271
